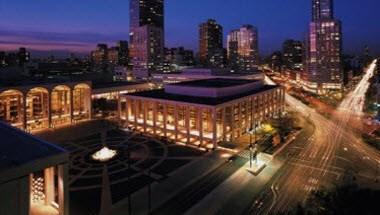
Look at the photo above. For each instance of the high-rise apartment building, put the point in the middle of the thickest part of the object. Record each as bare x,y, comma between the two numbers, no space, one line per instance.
242,48
292,55
123,52
211,52
323,69
100,55
23,56
146,36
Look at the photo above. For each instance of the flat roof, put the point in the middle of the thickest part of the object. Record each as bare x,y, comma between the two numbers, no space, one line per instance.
115,84
28,83
162,95
18,148
214,83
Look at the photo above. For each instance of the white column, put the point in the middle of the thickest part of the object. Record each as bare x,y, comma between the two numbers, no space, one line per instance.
71,105
119,106
127,111
154,118
49,185
187,123
176,122
224,130
165,118
214,130
200,126
135,110
145,114
25,117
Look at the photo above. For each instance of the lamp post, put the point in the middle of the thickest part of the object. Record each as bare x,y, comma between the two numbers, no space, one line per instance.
149,193
250,147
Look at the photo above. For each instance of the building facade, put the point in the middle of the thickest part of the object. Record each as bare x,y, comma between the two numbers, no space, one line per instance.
100,55
293,59
146,36
211,52
242,48
36,107
203,112
323,69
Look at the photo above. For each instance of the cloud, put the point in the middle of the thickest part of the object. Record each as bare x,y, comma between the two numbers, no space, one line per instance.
45,41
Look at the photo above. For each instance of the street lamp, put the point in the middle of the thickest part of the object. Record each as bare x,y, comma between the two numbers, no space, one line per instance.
250,155
249,131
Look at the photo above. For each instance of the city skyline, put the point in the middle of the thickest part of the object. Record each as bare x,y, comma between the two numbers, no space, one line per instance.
78,28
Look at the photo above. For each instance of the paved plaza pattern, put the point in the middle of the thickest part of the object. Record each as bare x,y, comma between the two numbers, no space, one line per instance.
96,186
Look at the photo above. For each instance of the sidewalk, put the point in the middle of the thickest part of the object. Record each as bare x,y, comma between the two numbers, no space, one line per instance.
235,194
163,191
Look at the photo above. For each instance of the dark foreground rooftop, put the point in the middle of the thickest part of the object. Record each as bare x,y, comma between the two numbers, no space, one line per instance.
214,83
114,84
161,94
18,148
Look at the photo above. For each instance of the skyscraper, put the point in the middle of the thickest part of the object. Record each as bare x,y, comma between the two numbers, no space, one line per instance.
146,12
211,52
292,54
123,52
322,10
146,36
100,55
323,69
23,56
242,48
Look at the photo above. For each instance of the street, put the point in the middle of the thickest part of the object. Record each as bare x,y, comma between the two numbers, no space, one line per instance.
333,154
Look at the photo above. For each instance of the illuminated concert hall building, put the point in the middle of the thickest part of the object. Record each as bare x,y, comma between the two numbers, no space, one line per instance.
40,106
203,112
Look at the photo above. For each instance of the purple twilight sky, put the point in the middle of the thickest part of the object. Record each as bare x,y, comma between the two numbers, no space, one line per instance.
77,25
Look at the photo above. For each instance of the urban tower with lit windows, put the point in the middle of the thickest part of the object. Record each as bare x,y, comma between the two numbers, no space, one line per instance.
323,70
146,36
242,48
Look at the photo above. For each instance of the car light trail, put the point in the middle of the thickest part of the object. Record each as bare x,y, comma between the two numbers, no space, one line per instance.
354,102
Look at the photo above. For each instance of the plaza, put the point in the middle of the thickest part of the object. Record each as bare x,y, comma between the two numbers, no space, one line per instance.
141,161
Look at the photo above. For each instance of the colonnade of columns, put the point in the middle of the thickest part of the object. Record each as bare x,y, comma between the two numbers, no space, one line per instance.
40,108
197,124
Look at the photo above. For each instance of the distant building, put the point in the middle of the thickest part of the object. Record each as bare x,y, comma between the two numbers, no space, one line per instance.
177,58
323,69
14,59
292,54
146,36
113,55
378,87
147,50
23,56
192,74
211,52
275,62
2,59
100,55
242,48
146,12
292,59
123,52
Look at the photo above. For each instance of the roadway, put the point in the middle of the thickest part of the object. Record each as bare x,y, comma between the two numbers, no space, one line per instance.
334,154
